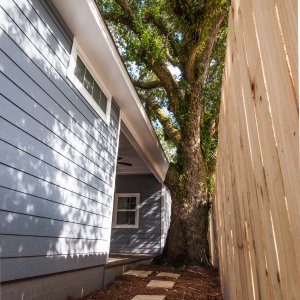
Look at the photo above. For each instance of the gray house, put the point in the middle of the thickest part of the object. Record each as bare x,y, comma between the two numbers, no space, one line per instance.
81,169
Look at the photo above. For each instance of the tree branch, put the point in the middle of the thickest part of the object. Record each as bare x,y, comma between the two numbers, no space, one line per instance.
125,6
160,69
147,85
201,35
117,18
207,52
170,85
164,31
173,62
170,130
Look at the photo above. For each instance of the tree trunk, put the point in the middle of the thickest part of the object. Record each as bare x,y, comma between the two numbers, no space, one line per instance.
187,240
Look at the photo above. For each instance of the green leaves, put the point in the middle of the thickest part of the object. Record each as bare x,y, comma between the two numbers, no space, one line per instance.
154,34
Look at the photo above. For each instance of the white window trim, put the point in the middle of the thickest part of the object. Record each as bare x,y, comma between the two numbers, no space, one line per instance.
77,50
117,195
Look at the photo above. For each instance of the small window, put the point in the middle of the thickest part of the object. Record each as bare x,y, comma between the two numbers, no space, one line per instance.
126,213
85,78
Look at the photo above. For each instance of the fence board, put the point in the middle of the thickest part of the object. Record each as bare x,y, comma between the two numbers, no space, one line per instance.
240,205
287,19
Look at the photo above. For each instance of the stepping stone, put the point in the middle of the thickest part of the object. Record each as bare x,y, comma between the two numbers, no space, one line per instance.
149,297
138,273
170,275
161,284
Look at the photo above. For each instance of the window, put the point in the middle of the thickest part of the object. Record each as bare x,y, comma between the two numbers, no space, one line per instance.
126,210
85,78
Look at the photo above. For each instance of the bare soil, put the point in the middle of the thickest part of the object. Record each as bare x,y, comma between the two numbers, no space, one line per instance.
195,283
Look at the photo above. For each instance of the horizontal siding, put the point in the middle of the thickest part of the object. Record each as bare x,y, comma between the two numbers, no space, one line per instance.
21,182
54,76
34,25
87,188
19,138
20,202
57,155
13,118
54,22
60,183
46,108
29,224
146,238
24,246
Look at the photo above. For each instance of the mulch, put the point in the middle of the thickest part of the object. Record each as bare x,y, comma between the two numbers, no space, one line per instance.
195,283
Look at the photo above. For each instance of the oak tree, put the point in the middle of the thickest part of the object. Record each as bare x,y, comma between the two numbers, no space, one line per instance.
174,52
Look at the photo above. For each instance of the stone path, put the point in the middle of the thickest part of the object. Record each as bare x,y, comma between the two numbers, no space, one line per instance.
170,275
161,284
138,273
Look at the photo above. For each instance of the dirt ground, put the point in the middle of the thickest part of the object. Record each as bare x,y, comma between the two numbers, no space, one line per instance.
195,283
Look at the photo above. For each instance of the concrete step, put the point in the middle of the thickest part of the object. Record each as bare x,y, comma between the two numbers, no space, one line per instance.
163,284
170,275
138,273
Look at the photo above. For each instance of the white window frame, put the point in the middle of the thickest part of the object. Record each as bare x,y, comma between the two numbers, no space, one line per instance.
78,51
137,208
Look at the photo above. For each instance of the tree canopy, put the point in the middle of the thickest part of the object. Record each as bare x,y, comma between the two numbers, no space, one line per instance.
174,51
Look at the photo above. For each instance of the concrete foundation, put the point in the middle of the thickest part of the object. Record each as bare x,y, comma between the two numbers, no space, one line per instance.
60,286
74,284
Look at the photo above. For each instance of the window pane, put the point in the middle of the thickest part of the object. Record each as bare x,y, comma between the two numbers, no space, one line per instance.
125,218
86,78
103,102
123,203
132,203
96,93
126,202
88,82
79,69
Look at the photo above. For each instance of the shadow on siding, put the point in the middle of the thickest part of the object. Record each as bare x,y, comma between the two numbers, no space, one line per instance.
56,156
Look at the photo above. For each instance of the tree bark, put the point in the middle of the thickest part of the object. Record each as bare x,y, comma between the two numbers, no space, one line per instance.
187,241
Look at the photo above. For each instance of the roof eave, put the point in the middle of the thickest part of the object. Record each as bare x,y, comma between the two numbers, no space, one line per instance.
85,22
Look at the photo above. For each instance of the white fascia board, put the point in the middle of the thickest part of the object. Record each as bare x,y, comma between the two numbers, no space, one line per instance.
85,22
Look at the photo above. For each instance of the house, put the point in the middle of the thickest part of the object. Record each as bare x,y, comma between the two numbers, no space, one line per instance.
81,169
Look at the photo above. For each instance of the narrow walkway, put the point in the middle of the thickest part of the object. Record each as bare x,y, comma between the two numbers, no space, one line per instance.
153,282
159,284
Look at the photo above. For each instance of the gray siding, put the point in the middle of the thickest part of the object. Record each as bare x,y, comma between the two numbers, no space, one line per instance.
57,155
147,237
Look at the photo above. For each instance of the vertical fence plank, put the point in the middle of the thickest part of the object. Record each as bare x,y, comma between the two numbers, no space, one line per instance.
287,19
257,190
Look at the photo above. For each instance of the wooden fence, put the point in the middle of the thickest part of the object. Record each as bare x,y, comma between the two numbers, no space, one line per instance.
257,202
